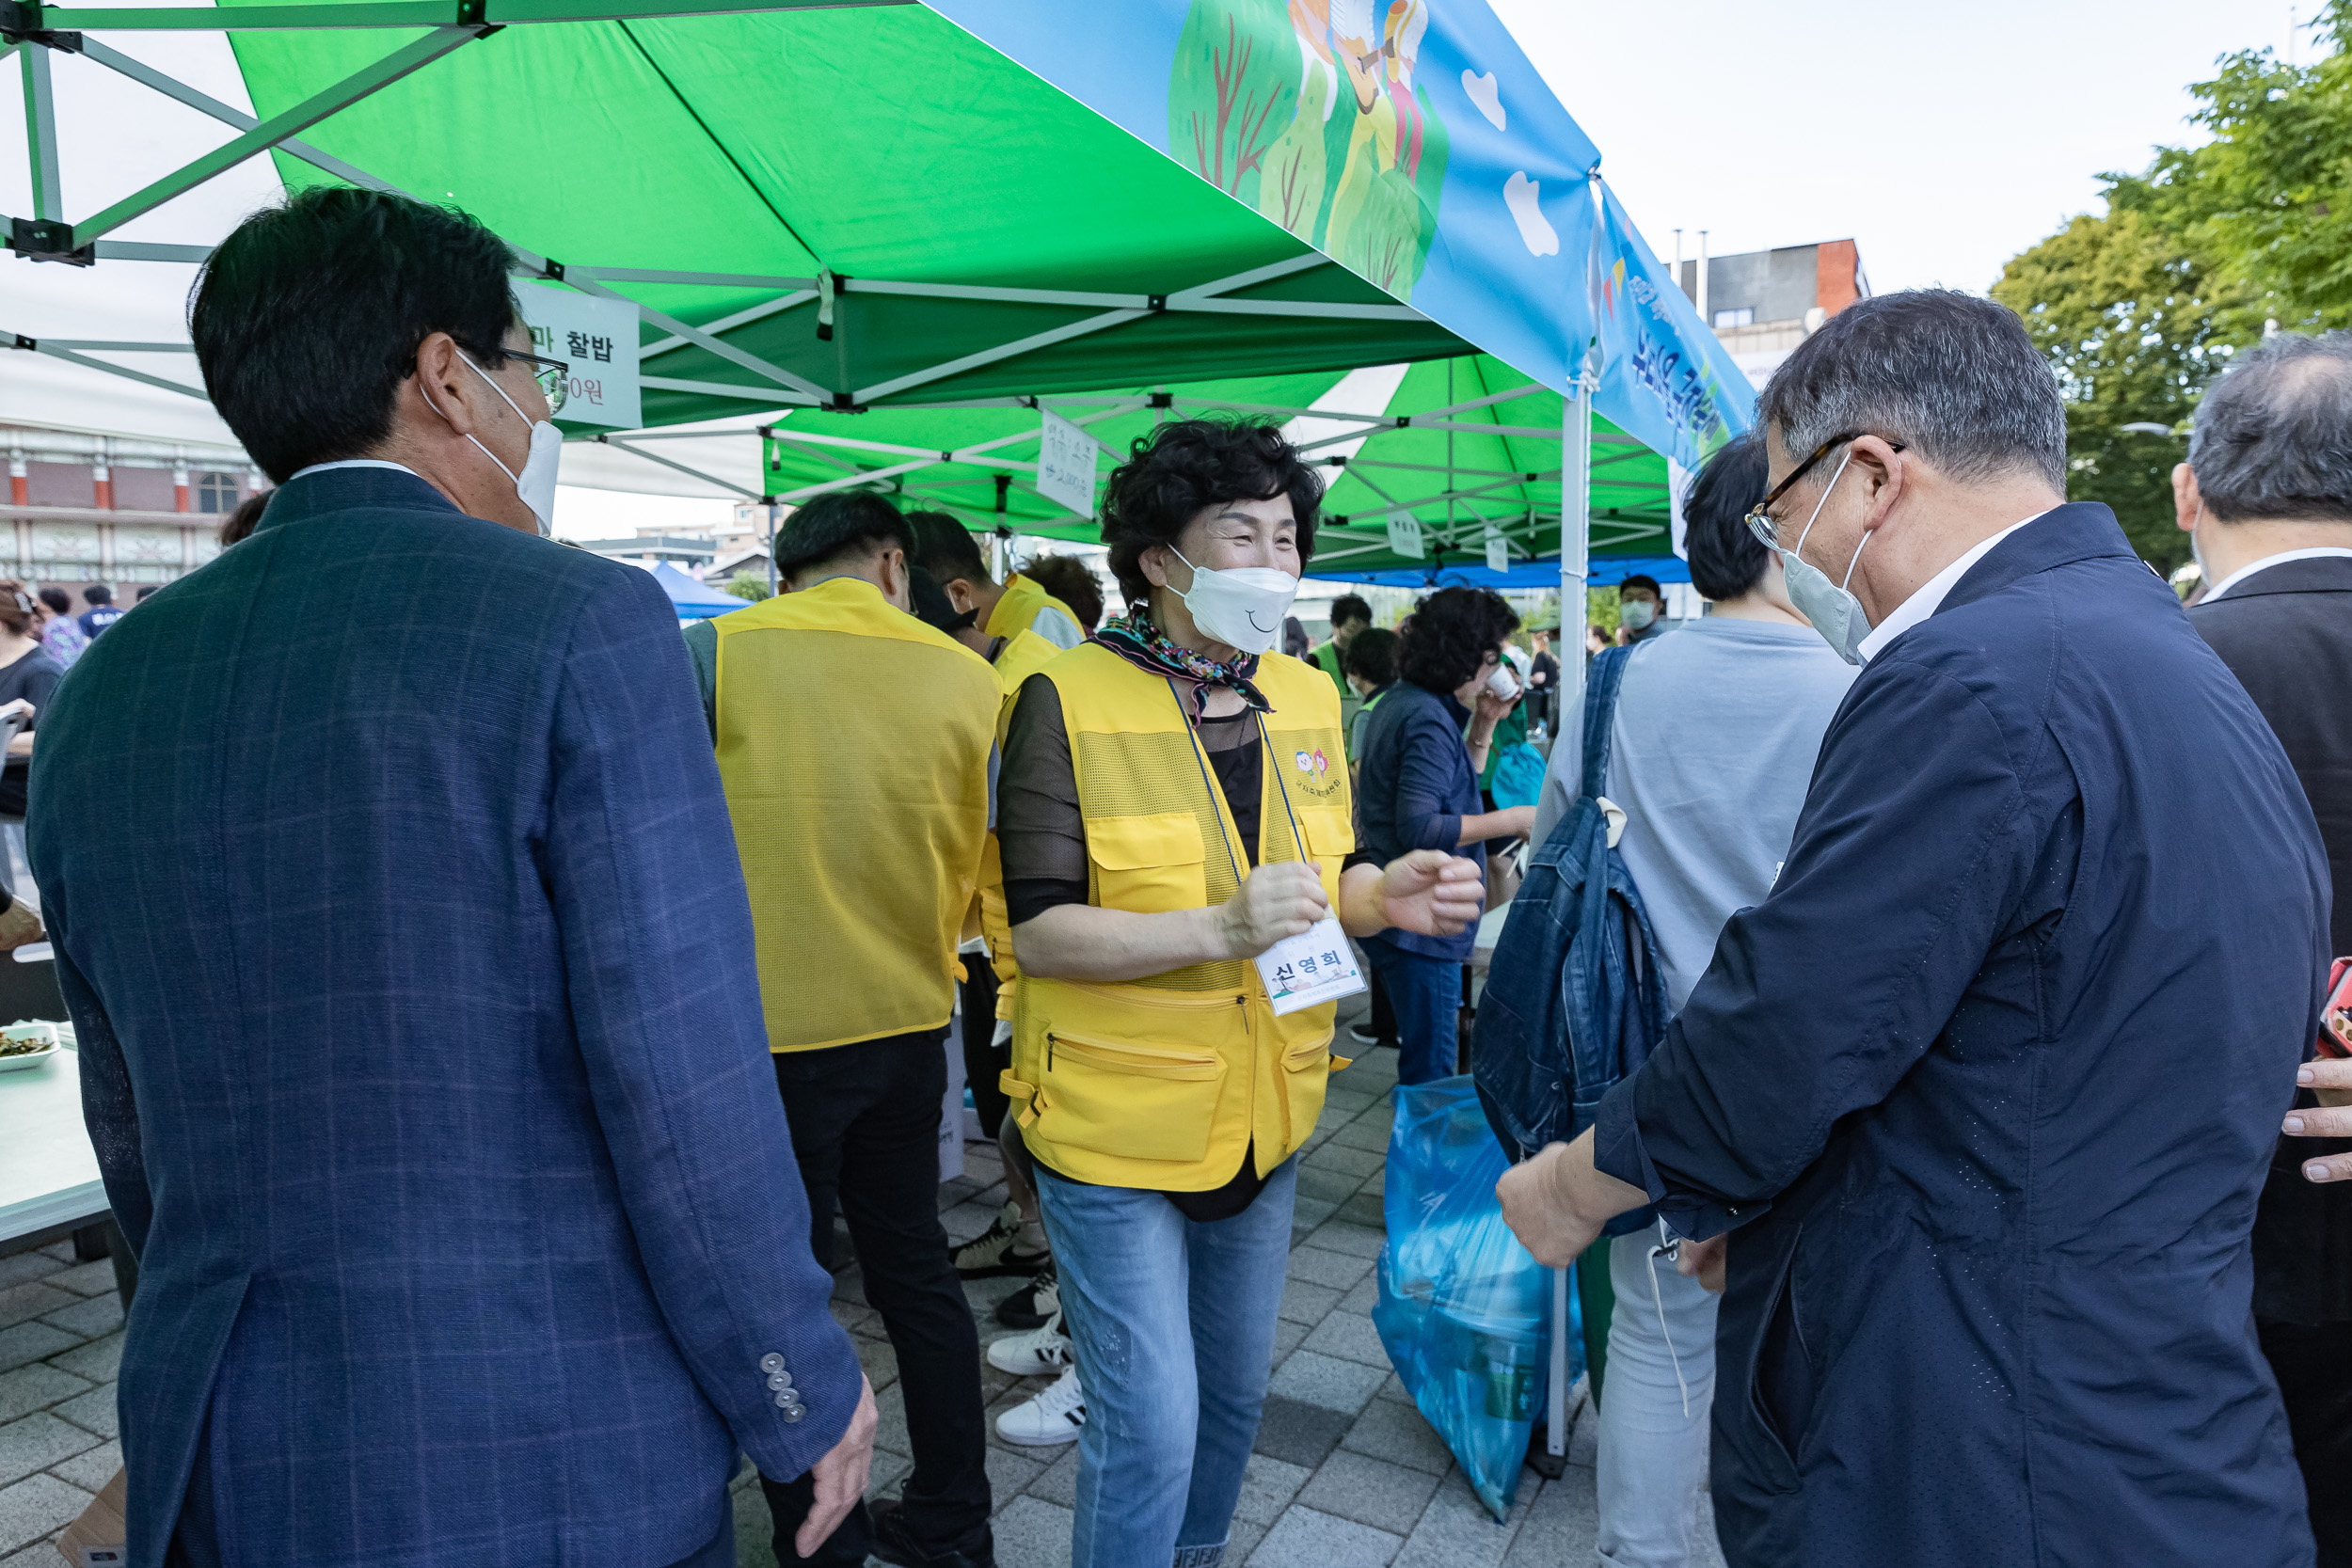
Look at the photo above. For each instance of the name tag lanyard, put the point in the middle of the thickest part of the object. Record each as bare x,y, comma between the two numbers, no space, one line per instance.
1290,970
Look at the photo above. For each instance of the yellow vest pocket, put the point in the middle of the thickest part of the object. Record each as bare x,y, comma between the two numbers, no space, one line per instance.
1116,1097
1148,864
1306,1072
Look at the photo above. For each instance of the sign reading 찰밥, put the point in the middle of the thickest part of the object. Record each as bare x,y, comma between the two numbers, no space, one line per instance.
597,340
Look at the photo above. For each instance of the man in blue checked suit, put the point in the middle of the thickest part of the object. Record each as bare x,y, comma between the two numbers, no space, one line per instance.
422,1043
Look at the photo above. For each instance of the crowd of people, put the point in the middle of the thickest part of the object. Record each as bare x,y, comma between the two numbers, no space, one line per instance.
516,992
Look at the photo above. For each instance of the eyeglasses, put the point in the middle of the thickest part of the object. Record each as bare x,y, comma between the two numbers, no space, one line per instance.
554,377
1760,519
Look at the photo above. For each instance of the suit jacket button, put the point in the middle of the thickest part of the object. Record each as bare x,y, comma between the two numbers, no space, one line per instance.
772,1362
779,1382
792,1415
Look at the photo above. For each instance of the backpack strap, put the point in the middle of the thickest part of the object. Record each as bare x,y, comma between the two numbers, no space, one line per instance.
1600,713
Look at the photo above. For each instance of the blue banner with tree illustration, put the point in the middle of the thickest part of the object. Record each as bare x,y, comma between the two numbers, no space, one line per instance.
1665,378
1409,140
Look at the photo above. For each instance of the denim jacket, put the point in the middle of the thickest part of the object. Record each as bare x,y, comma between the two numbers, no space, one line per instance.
1574,1000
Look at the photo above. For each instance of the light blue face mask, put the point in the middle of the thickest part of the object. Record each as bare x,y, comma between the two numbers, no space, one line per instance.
1834,611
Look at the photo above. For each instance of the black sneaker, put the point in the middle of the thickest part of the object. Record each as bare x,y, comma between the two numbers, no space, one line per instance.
993,1251
1364,1034
892,1544
1034,1303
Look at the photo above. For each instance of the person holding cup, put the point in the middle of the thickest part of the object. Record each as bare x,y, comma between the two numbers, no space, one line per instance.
1419,791
1174,804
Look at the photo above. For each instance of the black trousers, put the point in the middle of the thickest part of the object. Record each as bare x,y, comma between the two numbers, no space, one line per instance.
983,1064
865,1121
2314,1364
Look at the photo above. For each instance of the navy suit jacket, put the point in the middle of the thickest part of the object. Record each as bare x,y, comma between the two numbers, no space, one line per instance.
1988,1085
397,908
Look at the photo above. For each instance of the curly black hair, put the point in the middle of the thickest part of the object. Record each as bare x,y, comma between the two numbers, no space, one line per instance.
1188,466
1450,634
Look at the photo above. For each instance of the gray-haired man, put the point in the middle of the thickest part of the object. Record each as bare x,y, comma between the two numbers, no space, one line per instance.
1984,1089
2266,493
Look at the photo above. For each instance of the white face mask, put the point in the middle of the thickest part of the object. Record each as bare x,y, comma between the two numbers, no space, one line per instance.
1241,606
1835,612
1637,614
535,484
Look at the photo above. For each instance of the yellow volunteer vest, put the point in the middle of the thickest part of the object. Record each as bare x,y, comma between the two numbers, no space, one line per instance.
1022,600
854,744
1164,1082
1023,656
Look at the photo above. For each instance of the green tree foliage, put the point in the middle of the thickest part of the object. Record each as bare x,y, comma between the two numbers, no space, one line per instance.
749,585
2140,308
2126,312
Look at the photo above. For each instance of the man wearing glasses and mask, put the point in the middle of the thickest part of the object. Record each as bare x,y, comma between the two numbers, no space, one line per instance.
423,1057
1983,1093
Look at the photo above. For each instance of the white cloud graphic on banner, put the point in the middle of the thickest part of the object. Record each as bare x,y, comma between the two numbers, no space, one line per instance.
1486,93
1519,194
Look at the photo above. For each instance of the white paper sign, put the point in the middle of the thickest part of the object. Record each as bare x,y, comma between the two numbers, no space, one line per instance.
1065,465
1405,535
1311,968
597,340
1498,550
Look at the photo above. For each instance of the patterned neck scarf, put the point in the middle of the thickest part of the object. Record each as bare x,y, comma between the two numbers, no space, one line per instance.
1135,639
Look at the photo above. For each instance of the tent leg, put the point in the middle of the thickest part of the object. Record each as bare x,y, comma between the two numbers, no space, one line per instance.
1575,542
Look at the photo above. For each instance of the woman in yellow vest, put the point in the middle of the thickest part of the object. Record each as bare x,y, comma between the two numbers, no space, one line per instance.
1174,804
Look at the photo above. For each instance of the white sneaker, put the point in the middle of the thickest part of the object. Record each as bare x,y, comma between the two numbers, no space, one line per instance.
1040,1353
1050,1420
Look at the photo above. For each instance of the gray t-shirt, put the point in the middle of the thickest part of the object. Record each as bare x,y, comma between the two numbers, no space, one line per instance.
1710,755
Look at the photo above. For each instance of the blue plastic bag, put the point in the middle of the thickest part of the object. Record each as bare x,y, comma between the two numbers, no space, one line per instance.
1463,1309
1518,777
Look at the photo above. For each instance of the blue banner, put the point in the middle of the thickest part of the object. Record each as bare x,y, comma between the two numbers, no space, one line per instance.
1665,378
1409,140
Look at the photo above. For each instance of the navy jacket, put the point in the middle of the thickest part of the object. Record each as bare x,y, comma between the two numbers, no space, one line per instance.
423,1052
1414,784
1988,1085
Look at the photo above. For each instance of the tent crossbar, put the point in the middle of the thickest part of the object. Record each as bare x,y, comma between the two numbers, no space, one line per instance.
1489,401
766,397
609,440
40,136
927,459
709,280
204,103
740,318
1321,309
30,18
59,351
267,133
99,345
586,280
1080,328
1371,422
1185,297
1531,475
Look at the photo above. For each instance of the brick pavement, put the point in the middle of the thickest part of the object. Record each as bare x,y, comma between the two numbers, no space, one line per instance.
1346,1472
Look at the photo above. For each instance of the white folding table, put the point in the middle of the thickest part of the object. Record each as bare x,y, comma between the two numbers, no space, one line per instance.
48,1171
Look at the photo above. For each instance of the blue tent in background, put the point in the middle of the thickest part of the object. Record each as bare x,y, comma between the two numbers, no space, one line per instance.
694,602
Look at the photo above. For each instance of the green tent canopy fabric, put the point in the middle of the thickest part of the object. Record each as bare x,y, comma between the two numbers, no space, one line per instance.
1498,465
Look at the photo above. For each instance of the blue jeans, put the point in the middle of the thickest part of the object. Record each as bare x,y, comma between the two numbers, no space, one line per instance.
1168,1432
1426,995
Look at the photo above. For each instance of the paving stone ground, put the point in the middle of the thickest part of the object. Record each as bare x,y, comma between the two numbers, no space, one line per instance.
1346,1472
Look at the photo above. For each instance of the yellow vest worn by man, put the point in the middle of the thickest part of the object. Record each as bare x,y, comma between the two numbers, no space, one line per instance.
1163,1083
1018,608
1022,657
854,743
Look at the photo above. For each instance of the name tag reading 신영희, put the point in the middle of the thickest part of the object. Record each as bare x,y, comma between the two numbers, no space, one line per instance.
1310,969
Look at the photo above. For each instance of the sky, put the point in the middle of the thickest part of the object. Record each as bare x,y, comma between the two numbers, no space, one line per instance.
1942,139
1941,143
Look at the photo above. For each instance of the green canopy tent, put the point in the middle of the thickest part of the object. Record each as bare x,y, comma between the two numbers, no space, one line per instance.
866,219
1468,446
